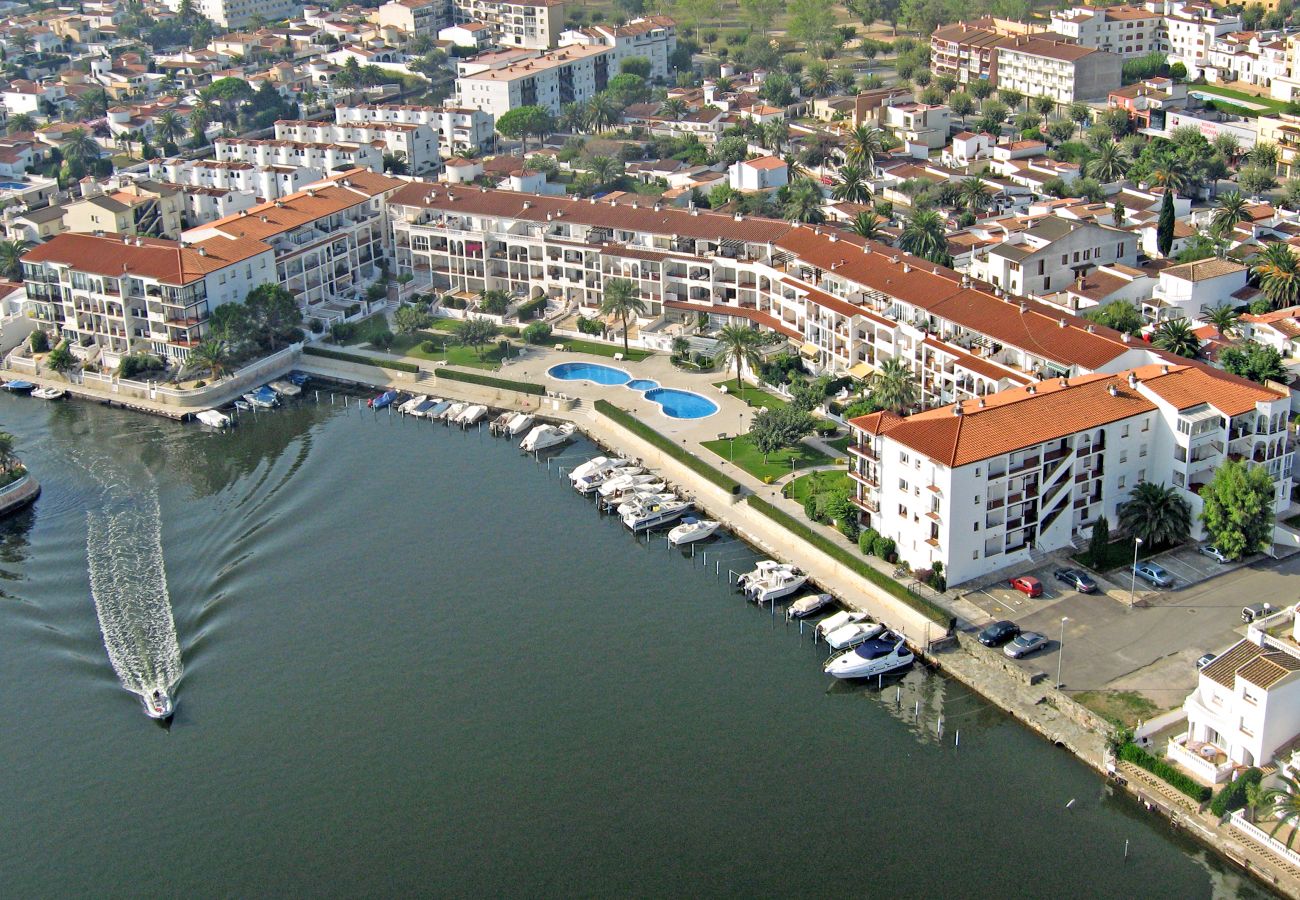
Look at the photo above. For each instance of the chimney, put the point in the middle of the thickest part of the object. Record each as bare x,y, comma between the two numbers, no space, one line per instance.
834,236
528,204
658,206
203,251
1113,391
956,408
1164,370
895,259
1125,337
1024,305
1060,323
981,402
126,240
906,268
1065,382
1132,380
1031,390
866,248
592,201
1090,329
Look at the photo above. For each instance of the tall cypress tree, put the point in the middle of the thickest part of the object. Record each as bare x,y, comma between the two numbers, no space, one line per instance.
1165,225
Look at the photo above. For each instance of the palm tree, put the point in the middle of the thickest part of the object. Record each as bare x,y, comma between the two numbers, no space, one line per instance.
865,144
850,186
925,237
1110,163
11,258
1283,805
817,78
92,103
169,126
573,116
974,194
738,345
213,355
867,224
1229,209
604,168
6,452
893,386
1278,274
622,300
1223,317
673,109
1168,173
21,122
775,134
803,202
1156,514
603,111
80,147
1178,337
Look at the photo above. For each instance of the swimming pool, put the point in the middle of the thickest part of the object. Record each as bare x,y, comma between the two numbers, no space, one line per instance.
593,372
682,404
642,384
673,403
13,186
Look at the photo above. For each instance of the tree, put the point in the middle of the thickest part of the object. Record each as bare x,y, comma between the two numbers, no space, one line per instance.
476,331
773,430
1156,514
925,236
1099,541
974,194
11,258
604,168
212,354
169,126
1255,180
1223,317
395,163
1253,361
1110,163
21,122
1165,224
1279,276
893,386
866,142
231,323
803,202
1044,106
1264,154
524,121
494,302
738,345
961,104
1120,315
1290,193
760,13
622,300
61,359
573,116
1080,113
1118,214
410,318
603,110
980,90
817,79
1178,337
812,23
7,458
850,185
1237,508
1060,130
80,147
1011,97
867,224
1229,209
635,65
274,313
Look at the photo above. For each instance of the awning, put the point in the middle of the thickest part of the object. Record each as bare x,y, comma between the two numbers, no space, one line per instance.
862,371
810,351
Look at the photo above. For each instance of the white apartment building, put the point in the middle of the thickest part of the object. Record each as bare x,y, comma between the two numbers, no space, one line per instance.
417,144
1192,28
414,17
459,129
653,38
1185,291
1052,255
1253,57
918,124
766,173
1127,31
110,296
238,13
572,74
205,204
535,24
326,157
1040,67
327,239
259,182
478,35
980,485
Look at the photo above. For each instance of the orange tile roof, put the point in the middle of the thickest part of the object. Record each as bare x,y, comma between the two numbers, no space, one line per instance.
347,189
1187,386
166,261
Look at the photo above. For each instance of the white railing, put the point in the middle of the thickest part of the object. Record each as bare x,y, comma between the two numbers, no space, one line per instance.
1202,768
1238,821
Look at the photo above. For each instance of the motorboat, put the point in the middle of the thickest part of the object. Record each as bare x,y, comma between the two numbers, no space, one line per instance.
692,530
470,415
298,378
214,418
158,705
285,388
806,606
438,410
628,494
544,437
518,424
421,409
779,584
838,620
242,405
762,570
655,513
263,397
18,386
383,401
49,393
853,634
409,406
623,479
640,498
453,411
498,425
871,658
595,469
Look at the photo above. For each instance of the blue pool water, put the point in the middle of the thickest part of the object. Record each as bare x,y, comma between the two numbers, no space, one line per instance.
13,186
682,404
592,372
642,384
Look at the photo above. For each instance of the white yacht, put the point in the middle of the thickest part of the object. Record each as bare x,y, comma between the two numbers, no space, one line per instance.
838,620
594,469
781,583
692,530
853,634
157,705
214,418
409,406
470,415
628,494
518,424
640,498
594,481
653,513
498,425
764,568
622,479
543,437
878,656
806,606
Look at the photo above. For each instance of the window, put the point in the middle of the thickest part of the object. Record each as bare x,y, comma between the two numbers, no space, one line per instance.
1123,432
1041,264
902,457
1123,480
1142,450
1123,456
902,511
902,484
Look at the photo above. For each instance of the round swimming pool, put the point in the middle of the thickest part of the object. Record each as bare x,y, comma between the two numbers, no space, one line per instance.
642,384
593,372
682,404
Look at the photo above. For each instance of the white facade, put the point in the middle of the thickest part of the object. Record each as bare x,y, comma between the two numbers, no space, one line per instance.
459,129
1052,255
326,157
237,13
1186,291
1064,72
918,123
417,144
1127,31
259,182
653,38
763,174
572,74
535,24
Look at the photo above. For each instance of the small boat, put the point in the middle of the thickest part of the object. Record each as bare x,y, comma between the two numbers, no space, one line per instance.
853,634
871,658
263,397
518,424
594,469
498,424
692,530
470,415
243,405
453,411
157,705
285,388
837,621
762,570
544,437
438,410
641,498
298,378
778,584
628,494
19,387
409,406
623,479
49,393
421,410
656,513
214,418
806,606
383,401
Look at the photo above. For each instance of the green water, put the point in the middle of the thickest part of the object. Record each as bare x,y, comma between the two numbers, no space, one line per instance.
417,662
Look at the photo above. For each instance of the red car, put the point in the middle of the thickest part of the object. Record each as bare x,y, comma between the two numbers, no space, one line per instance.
1027,585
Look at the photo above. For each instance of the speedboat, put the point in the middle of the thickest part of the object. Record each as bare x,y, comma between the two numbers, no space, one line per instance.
640,498
409,406
498,425
421,409
762,570
806,606
853,634
214,418
298,378
18,386
471,414
655,513
263,397
628,494
877,656
383,400
453,411
594,469
438,410
49,393
157,705
518,424
838,620
779,584
285,388
692,530
544,437
623,479
242,405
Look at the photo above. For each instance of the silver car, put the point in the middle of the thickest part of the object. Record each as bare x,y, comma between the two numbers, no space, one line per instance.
1153,574
1026,642
1212,552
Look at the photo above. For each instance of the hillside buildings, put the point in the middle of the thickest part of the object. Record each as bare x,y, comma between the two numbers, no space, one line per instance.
459,129
532,24
1038,67
238,13
653,38
573,74
416,144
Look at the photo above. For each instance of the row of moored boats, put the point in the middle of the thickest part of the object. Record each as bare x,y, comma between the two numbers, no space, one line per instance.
18,386
641,498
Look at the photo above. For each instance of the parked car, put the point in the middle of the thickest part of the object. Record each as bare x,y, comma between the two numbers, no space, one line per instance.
1154,574
1212,552
999,633
1027,585
1205,660
1255,611
1076,580
1026,642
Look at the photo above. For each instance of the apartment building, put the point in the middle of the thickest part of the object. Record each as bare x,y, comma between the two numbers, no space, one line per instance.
981,485
327,239
653,38
1185,291
416,144
326,157
1147,101
535,24
919,124
414,17
1052,255
1191,29
569,75
967,51
111,296
238,13
1065,72
1128,31
139,208
459,129
261,182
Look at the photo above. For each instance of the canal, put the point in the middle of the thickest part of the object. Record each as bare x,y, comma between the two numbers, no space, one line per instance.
416,661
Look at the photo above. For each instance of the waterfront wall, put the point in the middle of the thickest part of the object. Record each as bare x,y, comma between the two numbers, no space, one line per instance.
18,494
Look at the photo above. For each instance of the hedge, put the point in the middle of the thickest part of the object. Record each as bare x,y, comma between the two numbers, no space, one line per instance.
1233,795
395,365
645,432
1131,752
845,557
523,387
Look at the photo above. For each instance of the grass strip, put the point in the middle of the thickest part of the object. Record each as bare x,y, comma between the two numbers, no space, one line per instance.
395,365
847,557
665,445
522,387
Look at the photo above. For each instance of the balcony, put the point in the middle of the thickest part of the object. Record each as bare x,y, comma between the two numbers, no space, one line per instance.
1030,463
867,504
869,480
1205,761
863,450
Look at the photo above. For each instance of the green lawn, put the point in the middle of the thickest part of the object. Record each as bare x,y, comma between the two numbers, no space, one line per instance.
751,395
816,483
576,346
361,331
842,444
443,324
778,464
456,354
1123,708
1269,104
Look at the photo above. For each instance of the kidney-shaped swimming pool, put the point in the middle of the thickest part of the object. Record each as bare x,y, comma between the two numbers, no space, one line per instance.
674,404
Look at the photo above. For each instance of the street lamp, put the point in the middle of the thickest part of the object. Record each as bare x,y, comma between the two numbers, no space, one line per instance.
1060,652
1133,573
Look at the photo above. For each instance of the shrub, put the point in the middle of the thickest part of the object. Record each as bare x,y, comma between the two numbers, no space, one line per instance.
531,309
200,383
810,508
590,326
867,541
353,309
429,347
825,427
395,364
885,549
1131,752
510,331
381,338
139,364
523,387
537,333
849,527
317,326
1233,795
666,445
40,342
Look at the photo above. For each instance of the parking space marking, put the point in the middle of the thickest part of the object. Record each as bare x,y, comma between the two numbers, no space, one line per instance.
1180,570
